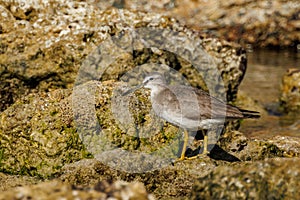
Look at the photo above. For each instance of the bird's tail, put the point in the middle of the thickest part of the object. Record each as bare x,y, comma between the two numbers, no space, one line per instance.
250,114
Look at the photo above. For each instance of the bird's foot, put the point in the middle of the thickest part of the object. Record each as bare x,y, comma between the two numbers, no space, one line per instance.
183,157
203,154
180,159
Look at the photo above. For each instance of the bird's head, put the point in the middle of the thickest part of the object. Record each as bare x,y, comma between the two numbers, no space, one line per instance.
151,81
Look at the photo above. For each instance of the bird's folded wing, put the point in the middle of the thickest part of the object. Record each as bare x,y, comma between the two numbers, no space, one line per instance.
197,104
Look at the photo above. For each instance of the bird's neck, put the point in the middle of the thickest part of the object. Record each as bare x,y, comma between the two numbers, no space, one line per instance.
156,89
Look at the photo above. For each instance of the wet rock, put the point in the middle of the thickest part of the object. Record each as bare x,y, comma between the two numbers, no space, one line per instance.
290,91
259,23
58,190
269,179
42,46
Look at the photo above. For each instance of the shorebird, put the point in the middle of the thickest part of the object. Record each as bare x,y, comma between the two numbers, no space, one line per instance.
189,108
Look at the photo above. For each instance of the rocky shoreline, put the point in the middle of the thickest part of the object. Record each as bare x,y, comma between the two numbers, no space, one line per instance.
49,51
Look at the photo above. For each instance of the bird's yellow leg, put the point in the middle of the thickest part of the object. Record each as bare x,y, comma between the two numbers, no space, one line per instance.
185,141
205,144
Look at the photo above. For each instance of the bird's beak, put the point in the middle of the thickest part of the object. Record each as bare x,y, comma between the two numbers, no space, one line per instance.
133,89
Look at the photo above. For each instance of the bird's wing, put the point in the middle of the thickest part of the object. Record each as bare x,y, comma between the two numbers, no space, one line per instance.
197,104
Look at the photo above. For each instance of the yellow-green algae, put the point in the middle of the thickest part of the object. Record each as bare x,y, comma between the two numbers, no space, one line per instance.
36,142
38,134
140,108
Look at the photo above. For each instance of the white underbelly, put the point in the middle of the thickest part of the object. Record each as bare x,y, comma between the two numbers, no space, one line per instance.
189,124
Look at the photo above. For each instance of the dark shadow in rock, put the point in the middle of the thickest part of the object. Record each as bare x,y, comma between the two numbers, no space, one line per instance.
119,4
217,153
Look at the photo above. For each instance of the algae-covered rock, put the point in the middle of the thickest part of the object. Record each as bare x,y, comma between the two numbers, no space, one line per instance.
38,136
45,46
288,144
270,179
42,46
176,180
55,142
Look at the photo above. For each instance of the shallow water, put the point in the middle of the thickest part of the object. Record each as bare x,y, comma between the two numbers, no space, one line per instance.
262,83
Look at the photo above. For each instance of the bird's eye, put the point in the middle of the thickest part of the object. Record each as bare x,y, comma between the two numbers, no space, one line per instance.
151,79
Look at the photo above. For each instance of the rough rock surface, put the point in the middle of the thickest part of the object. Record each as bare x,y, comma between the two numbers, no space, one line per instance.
236,144
269,179
290,91
118,190
176,181
43,45
258,23
49,142
38,136
173,181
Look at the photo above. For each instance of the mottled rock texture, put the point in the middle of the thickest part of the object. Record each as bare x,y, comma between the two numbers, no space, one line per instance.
255,23
270,179
43,47
290,91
